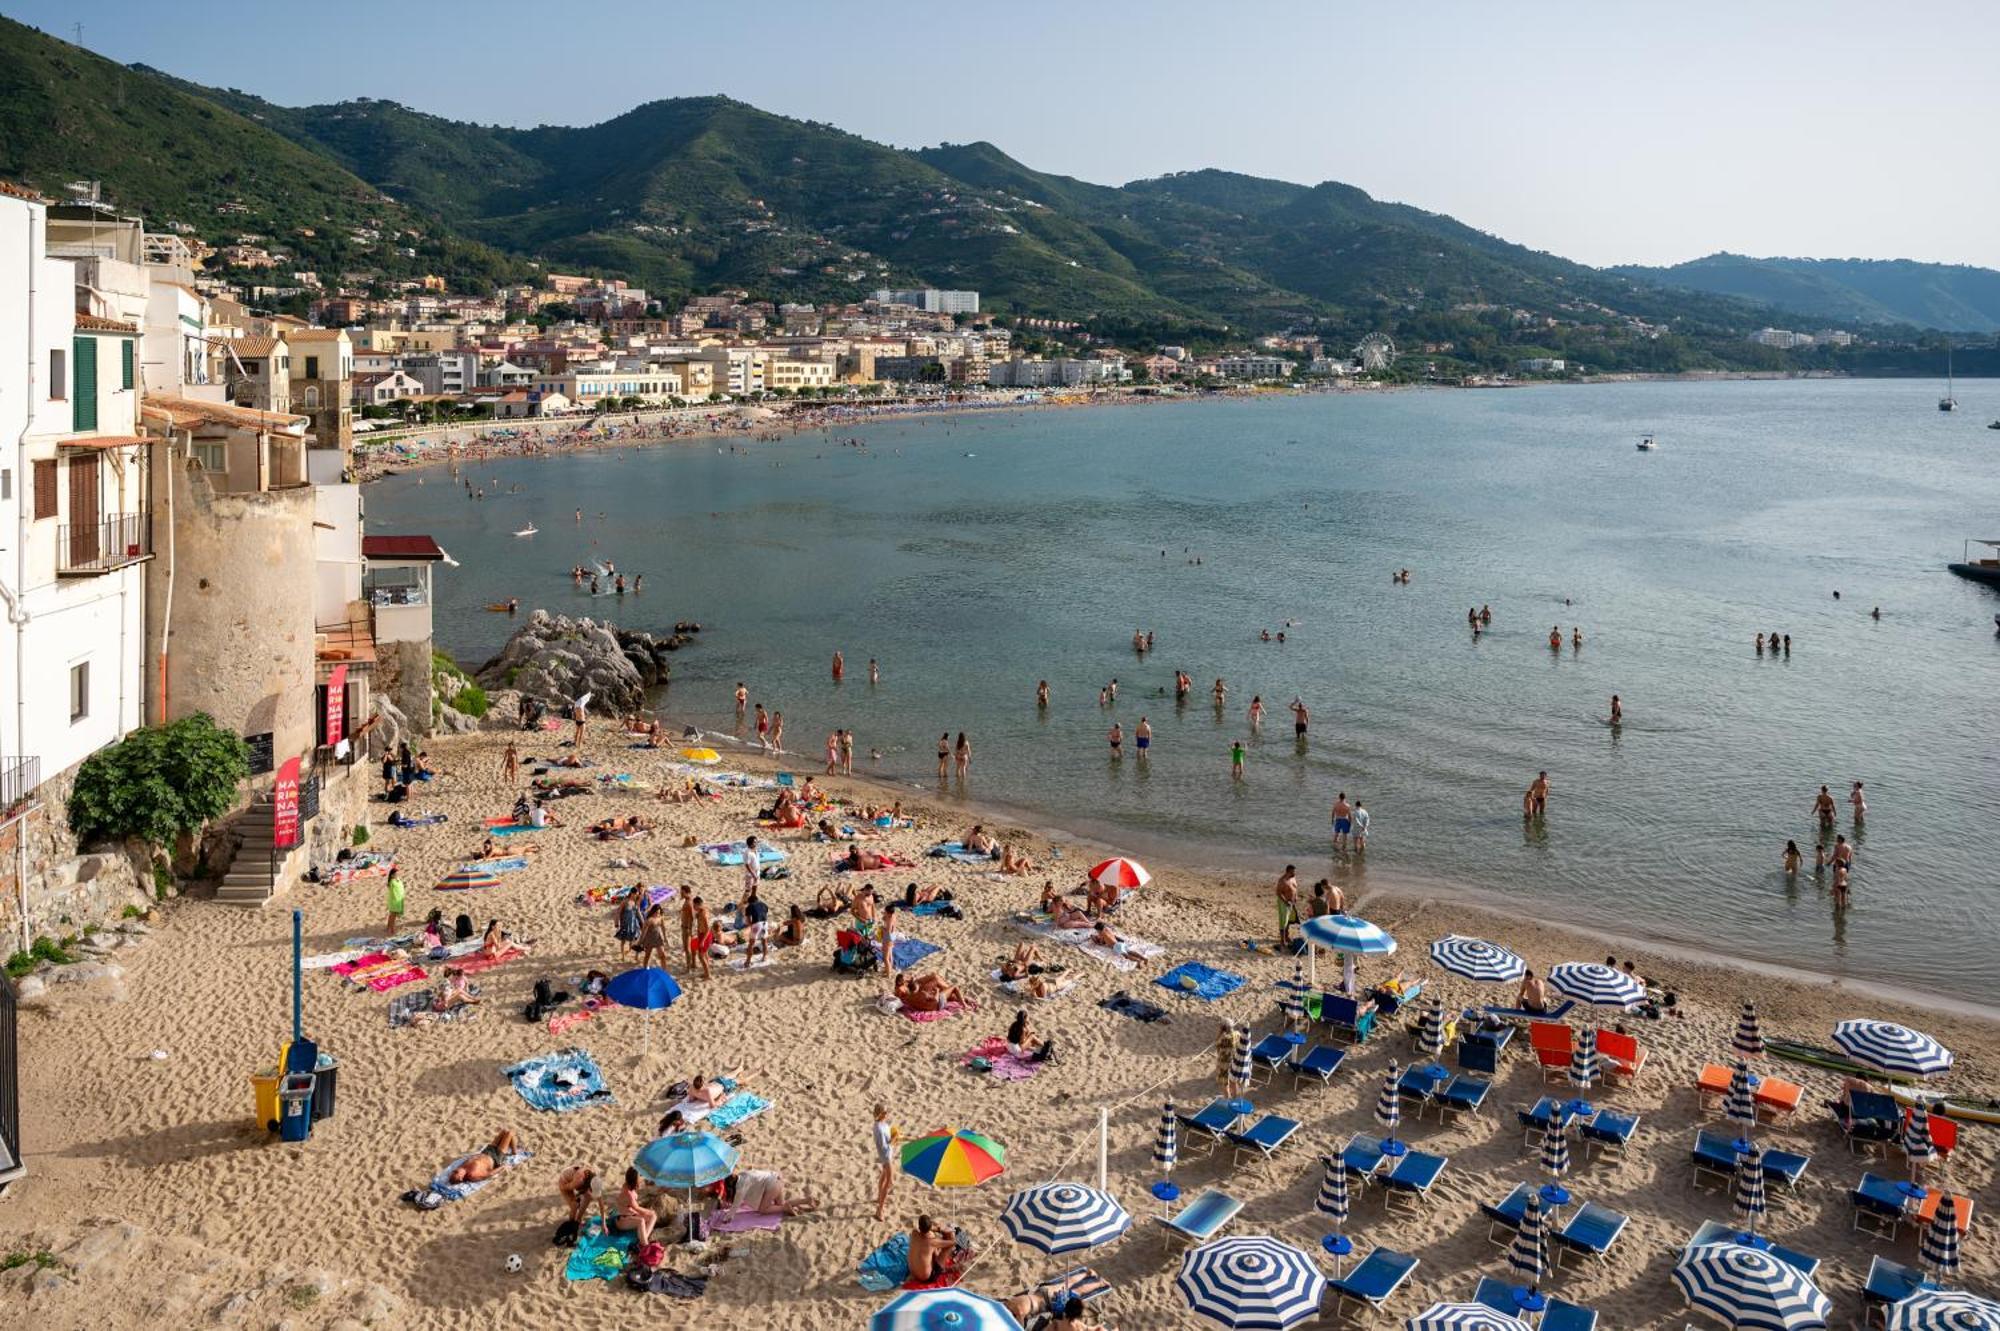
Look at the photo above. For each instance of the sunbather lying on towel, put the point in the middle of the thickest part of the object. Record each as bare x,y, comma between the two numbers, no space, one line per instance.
927,993
762,1192
710,1091
1065,1311
1067,916
829,903
1013,862
915,895
611,829
859,860
1026,961
484,1163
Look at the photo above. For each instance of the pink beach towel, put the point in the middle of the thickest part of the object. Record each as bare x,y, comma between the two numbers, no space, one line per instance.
368,962
564,1021
382,984
948,1010
1003,1065
742,1222
475,964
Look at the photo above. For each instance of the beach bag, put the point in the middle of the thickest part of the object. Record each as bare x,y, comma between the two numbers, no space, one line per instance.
463,927
567,1234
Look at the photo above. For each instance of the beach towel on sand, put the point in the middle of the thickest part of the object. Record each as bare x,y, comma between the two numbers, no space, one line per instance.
1001,1065
739,1222
1138,1009
887,1267
511,829
839,864
907,952
441,1190
1198,979
730,853
394,979
1058,985
559,1082
955,850
740,1107
499,864
600,1254
926,1014
420,1009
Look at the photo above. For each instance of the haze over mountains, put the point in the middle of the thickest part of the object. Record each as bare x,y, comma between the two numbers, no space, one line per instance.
692,194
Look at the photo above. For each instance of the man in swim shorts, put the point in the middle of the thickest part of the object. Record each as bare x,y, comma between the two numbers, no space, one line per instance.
1143,734
1343,821
1299,718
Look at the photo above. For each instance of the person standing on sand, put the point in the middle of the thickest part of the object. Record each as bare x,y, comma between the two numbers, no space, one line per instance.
885,1135
510,763
579,715
839,667
962,751
398,899
832,752
687,927
847,753
763,727
944,751
704,936
1287,893
1342,820
1236,760
777,732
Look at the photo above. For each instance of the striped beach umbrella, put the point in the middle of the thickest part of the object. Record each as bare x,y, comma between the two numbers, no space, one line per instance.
1254,1283
1917,1136
1389,1105
1944,1310
1595,983
1737,1104
1749,1289
1120,873
1166,1141
1896,1050
943,1310
961,1159
1294,998
1332,1199
1063,1217
1430,1030
1939,1249
1239,1059
1750,1186
1555,1147
1584,1070
1528,1254
1749,1041
1478,960
1349,935
1463,1317
686,1160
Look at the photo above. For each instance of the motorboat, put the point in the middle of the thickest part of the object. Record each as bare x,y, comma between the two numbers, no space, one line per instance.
1647,445
528,530
1949,402
1985,569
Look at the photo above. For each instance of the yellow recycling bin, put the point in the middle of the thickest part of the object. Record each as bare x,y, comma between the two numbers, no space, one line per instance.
265,1084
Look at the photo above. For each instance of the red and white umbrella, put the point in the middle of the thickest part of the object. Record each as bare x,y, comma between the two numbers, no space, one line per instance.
1121,873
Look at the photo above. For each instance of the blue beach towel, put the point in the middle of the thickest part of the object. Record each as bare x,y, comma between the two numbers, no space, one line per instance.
732,852
887,1267
511,829
1209,983
458,1192
600,1254
503,864
927,908
955,850
739,1106
907,952
559,1082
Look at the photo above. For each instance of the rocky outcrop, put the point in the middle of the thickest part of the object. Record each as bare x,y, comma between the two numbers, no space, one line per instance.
554,659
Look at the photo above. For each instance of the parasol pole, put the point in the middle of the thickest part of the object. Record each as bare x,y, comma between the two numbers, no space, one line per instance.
298,976
1103,1147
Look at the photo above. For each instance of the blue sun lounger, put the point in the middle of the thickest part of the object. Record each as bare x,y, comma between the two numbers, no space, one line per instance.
1879,1206
1786,1167
1265,1136
1418,1084
1362,1155
1373,1283
1521,1014
1504,1219
1463,1094
1591,1232
1201,1219
1269,1054
1608,1131
1534,1121
1559,1315
1714,1231
1320,1061
1413,1176
1209,1124
1892,1282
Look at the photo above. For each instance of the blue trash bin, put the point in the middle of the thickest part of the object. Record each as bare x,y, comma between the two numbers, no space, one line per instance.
295,1107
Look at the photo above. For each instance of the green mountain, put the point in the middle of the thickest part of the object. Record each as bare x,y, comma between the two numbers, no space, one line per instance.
1954,297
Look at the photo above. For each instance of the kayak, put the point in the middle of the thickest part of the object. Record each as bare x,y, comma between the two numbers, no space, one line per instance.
1832,1060
1964,1109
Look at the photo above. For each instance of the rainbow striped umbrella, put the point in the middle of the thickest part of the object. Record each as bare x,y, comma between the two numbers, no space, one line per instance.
465,878
954,1159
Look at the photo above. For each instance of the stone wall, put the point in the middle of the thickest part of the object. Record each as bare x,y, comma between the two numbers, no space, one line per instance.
66,887
403,676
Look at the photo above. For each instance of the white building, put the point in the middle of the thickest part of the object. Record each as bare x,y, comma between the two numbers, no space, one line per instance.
1254,367
75,504
932,301
1782,338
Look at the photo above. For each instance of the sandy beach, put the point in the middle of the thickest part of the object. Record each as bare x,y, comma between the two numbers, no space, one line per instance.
158,1197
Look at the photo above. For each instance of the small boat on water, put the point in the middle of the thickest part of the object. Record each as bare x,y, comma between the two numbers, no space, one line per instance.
528,530
1993,425
1986,569
1949,402
1646,444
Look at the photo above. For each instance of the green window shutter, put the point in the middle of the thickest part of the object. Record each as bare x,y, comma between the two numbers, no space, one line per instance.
125,345
85,397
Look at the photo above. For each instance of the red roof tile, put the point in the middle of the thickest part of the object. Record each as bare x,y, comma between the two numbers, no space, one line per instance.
400,547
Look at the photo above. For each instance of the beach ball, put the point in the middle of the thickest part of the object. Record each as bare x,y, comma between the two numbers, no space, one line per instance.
1188,983
514,1263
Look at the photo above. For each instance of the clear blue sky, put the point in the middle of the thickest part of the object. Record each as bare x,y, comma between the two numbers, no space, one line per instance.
1606,132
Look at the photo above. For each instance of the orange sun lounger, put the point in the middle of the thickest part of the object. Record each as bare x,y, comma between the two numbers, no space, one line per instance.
1776,1098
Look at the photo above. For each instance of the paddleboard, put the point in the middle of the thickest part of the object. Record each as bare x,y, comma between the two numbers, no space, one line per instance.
1813,1055
1970,1111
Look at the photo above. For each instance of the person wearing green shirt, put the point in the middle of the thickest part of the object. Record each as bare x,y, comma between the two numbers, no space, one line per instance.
1236,760
397,899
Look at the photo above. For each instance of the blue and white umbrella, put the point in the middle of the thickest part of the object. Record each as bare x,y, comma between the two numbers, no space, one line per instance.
1750,1186
1917,1144
1478,960
1749,1289
645,987
1939,1249
1595,983
1239,1059
1583,1066
1463,1317
1063,1217
943,1310
1528,1254
1166,1141
1749,1039
1254,1283
1555,1146
1389,1105
1332,1199
1738,1105
686,1160
1293,1000
1430,1030
1350,935
1896,1050
1944,1310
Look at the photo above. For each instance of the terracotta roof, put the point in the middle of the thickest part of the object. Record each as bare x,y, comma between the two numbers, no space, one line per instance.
313,334
253,346
92,323
28,192
104,441
400,547
180,413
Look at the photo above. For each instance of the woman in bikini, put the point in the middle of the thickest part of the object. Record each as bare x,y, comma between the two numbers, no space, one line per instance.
1013,863
927,993
631,1216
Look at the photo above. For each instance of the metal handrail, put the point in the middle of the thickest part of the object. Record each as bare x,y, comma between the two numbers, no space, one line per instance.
100,547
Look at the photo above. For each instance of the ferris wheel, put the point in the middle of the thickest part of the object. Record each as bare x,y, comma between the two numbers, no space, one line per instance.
1375,352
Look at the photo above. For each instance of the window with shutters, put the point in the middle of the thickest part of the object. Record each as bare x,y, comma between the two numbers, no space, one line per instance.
45,488
312,367
85,351
125,346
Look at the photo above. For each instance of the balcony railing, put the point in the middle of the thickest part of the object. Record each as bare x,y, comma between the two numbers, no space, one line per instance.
89,548
18,779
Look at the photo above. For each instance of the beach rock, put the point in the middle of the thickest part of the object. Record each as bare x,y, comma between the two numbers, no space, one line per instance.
30,989
46,1282
375,1306
393,726
503,710
555,659
235,1306
87,972
110,1247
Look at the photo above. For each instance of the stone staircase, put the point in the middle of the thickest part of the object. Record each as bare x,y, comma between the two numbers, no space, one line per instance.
248,881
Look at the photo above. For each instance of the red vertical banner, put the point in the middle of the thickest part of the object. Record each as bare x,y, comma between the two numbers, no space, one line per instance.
285,810
336,705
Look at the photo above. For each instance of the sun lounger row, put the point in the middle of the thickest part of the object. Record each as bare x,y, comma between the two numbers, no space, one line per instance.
1774,1097
1883,1206
1277,1053
1714,1231
1590,1231
1223,1120
1558,1315
1602,1130
1620,1054
1405,1178
1715,1157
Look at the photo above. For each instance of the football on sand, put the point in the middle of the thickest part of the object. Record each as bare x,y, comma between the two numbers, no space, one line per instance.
514,1263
